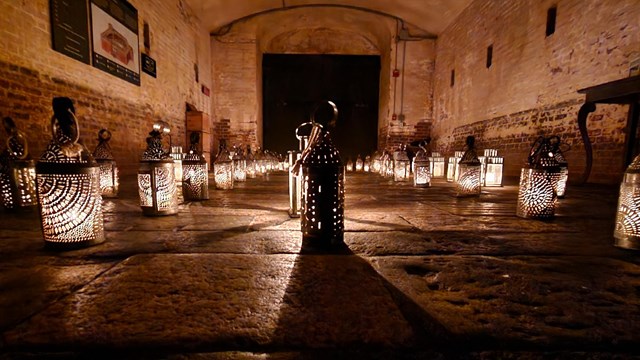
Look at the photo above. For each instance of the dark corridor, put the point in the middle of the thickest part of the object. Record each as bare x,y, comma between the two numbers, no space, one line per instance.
293,84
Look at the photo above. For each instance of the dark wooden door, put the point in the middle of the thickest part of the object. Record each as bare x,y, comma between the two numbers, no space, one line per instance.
293,84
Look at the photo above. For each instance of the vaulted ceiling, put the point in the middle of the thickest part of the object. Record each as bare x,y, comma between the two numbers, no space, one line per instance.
432,16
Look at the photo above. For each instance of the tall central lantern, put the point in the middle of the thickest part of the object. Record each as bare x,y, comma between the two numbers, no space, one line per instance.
322,217
68,183
156,176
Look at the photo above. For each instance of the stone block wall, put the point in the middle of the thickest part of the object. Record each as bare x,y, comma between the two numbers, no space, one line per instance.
531,87
32,73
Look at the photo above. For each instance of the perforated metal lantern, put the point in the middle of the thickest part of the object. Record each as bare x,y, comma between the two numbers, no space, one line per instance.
468,173
437,165
561,185
68,183
223,168
401,165
367,164
322,218
493,168
359,163
17,172
156,177
375,162
250,164
195,182
421,172
537,193
627,231
109,181
452,166
239,165
349,165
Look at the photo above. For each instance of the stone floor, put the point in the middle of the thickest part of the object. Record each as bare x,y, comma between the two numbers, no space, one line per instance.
425,275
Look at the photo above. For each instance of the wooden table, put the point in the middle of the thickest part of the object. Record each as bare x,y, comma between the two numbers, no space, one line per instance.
623,91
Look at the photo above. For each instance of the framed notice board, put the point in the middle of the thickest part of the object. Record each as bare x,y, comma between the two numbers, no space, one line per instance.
114,33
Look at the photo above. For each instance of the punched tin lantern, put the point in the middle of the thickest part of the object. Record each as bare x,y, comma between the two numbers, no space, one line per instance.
401,165
627,230
359,163
436,165
239,165
68,183
349,165
17,172
156,176
367,164
375,162
322,217
421,171
109,181
561,185
250,163
537,193
195,182
452,166
468,171
223,168
494,165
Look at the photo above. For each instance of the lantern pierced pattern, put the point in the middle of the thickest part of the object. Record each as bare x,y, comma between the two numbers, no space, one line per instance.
195,184
627,230
366,166
68,183
436,165
537,194
223,168
493,168
250,164
109,181
17,171
421,171
375,162
401,165
156,176
468,171
322,218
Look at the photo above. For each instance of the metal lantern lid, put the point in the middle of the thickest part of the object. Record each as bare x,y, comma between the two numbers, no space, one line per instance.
401,154
194,155
223,154
103,150
155,150
470,157
555,145
541,155
323,153
64,146
238,154
17,147
421,157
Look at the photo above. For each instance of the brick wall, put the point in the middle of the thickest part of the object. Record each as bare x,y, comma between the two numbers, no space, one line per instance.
32,73
530,88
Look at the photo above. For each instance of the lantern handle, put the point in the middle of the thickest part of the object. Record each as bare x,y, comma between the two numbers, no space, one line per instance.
298,136
74,119
535,149
317,106
19,136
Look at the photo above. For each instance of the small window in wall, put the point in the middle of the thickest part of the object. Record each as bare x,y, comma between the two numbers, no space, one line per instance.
489,55
453,77
552,12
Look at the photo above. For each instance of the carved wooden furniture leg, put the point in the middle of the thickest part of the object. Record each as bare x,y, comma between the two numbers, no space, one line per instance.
584,111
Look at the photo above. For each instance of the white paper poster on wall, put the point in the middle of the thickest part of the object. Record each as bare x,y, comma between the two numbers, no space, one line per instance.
114,31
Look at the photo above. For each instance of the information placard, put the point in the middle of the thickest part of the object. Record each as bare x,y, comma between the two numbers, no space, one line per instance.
114,30
70,28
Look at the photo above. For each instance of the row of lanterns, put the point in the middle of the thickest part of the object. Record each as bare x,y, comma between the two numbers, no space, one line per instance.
68,182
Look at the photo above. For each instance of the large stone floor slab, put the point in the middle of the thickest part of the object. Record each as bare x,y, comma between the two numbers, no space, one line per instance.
211,301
